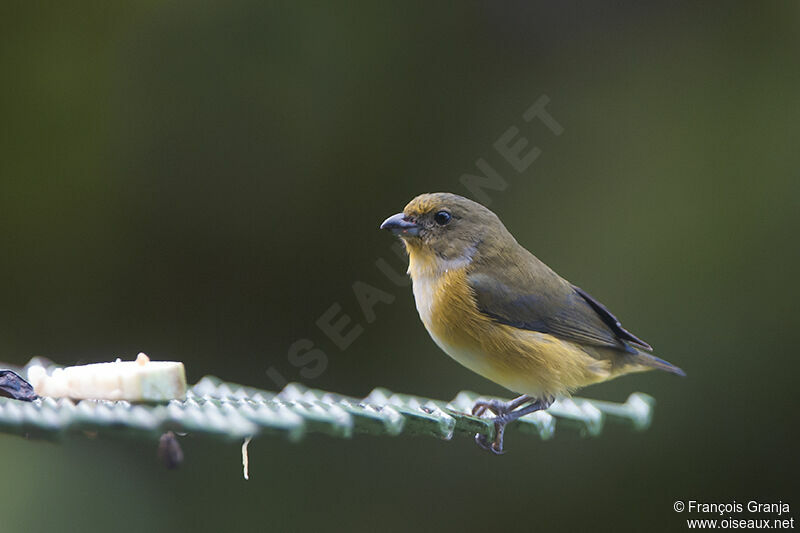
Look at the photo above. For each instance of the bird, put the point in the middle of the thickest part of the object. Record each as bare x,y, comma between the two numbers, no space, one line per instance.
495,308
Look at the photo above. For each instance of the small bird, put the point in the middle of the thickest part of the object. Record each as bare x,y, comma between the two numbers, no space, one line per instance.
495,308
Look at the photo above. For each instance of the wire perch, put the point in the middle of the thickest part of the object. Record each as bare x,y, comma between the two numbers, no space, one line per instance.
223,410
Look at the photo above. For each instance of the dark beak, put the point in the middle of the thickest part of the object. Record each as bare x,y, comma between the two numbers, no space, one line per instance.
400,225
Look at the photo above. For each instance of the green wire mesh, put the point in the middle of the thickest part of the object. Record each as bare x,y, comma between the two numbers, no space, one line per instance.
229,411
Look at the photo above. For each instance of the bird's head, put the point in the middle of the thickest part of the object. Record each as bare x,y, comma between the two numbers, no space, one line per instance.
447,228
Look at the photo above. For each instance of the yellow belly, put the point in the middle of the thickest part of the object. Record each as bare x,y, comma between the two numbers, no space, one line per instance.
525,362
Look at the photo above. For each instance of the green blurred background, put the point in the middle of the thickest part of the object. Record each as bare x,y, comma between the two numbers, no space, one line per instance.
201,181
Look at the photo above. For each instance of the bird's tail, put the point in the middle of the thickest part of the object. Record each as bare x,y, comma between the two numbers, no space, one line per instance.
651,361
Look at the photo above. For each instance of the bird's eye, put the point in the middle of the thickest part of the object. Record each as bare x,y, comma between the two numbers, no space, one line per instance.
442,218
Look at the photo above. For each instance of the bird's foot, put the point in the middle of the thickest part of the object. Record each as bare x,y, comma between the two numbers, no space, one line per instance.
505,412
496,445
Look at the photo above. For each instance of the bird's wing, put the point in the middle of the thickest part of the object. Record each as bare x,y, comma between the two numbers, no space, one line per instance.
551,305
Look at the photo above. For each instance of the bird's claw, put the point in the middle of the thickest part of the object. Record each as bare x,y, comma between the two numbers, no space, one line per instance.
498,409
479,408
495,447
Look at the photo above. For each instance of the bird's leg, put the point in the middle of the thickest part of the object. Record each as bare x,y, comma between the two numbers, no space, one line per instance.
506,412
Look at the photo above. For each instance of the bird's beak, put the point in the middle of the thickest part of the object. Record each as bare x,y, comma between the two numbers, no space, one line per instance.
401,226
